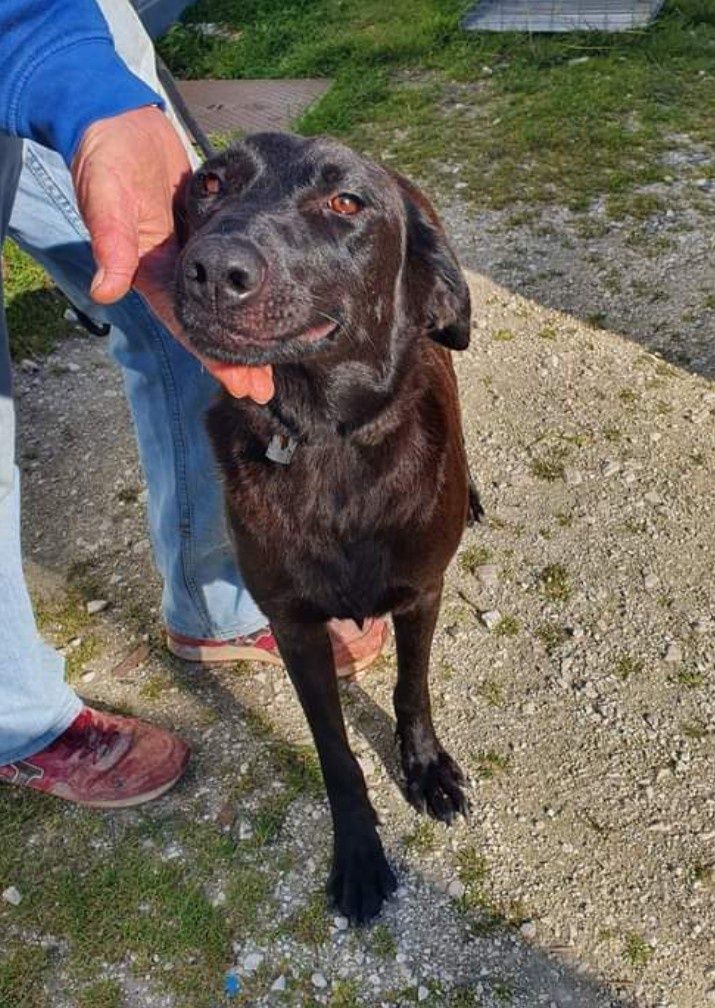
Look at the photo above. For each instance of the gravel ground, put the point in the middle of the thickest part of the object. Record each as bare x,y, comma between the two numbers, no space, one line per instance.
573,667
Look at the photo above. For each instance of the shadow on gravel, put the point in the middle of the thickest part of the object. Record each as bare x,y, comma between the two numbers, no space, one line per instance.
649,280
487,957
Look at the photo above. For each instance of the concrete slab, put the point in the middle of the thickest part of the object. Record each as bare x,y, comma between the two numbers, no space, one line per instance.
247,106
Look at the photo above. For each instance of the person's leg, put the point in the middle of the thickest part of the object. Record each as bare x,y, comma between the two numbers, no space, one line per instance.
169,392
36,705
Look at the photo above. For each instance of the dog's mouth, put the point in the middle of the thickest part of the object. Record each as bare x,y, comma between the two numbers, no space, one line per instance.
235,346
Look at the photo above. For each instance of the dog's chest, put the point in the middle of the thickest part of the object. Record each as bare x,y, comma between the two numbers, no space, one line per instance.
333,523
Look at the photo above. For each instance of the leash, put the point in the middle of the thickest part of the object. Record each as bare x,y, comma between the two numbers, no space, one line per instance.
188,119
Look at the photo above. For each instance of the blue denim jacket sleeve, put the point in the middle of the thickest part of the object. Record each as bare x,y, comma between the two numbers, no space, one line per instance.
59,72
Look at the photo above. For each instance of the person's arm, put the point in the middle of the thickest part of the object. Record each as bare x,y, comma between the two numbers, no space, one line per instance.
60,72
63,84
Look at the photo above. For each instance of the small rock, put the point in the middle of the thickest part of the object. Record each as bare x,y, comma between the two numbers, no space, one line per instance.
652,498
650,582
673,654
96,606
455,889
573,477
699,626
279,983
318,980
252,961
488,574
610,468
12,895
528,930
341,923
88,676
29,366
74,368
422,993
490,618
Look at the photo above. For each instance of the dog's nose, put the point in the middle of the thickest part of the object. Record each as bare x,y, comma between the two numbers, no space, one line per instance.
217,270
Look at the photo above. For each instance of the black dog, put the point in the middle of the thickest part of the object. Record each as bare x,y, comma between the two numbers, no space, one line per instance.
348,493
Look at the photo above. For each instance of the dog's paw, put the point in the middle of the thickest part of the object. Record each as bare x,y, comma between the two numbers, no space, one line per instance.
436,787
361,879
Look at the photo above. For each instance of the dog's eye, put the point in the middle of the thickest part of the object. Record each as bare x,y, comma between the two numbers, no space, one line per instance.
345,203
210,184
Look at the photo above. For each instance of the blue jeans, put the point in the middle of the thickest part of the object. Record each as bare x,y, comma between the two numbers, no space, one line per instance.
168,392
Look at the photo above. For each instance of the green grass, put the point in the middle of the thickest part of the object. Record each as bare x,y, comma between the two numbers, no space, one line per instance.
411,86
23,968
33,305
105,994
74,866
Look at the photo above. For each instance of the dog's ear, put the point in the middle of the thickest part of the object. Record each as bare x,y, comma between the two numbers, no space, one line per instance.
436,289
181,216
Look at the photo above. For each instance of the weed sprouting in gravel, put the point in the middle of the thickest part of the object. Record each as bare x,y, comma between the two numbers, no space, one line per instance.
551,635
422,839
472,557
473,871
489,764
345,994
550,465
637,951
382,942
508,626
629,397
463,997
704,874
626,665
502,335
311,924
490,691
691,678
555,583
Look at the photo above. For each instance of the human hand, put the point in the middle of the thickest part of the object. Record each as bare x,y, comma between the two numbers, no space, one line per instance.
127,172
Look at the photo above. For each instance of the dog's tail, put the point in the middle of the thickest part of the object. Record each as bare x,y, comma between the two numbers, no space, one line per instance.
476,511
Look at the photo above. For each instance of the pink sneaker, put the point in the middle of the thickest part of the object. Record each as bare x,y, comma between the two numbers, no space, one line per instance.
105,761
354,649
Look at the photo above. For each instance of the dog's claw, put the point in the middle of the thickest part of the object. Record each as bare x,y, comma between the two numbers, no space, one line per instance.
436,788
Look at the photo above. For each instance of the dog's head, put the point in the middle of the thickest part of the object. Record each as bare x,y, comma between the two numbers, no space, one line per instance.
297,247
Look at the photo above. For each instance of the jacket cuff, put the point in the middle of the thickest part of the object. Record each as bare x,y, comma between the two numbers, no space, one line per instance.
69,88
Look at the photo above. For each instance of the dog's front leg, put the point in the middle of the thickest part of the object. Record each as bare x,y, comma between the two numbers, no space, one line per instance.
360,878
432,778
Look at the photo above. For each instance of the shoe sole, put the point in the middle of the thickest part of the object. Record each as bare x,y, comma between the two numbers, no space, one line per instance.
140,799
218,654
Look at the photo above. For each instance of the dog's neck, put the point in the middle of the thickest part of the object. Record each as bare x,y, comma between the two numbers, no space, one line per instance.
359,398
